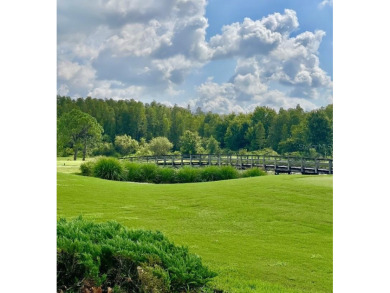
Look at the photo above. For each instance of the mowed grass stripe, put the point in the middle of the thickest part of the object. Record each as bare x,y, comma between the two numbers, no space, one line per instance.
262,234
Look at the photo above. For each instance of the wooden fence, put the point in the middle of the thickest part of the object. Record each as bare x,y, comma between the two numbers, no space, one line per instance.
278,164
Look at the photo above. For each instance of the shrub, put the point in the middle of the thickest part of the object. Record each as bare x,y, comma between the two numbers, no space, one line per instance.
188,174
253,172
165,175
229,172
132,172
87,168
108,168
148,172
211,173
110,255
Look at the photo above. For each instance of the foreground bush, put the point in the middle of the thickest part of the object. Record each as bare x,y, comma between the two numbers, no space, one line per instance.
110,255
108,168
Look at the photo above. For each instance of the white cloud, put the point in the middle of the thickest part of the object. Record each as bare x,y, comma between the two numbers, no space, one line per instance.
105,89
219,98
325,3
143,48
251,38
75,75
283,23
137,39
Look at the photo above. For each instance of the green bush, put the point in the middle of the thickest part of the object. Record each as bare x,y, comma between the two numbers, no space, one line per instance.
108,168
253,172
110,255
211,173
138,172
165,175
87,168
148,172
188,174
229,172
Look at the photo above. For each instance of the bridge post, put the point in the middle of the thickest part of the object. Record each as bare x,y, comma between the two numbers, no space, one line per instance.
200,160
316,166
252,161
181,160
219,160
165,160
289,165
241,162
264,163
302,166
209,159
330,167
173,161
155,158
190,160
275,164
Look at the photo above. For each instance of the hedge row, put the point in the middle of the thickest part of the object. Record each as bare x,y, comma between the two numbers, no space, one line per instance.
108,257
112,169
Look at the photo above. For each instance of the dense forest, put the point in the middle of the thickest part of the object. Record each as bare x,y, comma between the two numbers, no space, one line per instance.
288,131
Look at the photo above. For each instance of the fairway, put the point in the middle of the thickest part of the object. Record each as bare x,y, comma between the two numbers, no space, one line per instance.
262,234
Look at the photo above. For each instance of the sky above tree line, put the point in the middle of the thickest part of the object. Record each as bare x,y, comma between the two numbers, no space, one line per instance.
220,55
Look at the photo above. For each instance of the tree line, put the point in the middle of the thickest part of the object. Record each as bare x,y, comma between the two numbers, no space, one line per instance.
132,127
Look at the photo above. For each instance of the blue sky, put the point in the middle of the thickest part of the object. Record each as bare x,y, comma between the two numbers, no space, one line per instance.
223,56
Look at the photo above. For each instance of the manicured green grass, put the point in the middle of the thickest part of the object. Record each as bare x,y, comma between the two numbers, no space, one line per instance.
260,234
67,165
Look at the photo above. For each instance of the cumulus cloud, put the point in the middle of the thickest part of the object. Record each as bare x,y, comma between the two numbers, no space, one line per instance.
75,75
325,3
115,90
134,49
254,37
219,98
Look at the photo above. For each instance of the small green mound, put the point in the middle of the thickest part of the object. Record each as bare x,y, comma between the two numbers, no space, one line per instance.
110,255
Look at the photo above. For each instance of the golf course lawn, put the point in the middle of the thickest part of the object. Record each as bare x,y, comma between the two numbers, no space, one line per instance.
260,234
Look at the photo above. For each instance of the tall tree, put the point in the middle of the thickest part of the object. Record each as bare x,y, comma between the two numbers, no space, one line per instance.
319,130
256,136
190,143
125,145
213,146
78,129
160,146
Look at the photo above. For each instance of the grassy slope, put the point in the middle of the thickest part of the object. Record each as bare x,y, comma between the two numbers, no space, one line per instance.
264,234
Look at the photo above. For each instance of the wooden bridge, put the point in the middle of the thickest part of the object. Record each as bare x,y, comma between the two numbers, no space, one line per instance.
278,164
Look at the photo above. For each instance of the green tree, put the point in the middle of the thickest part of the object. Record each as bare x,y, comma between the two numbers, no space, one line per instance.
256,136
319,130
78,129
125,145
213,146
235,133
190,143
160,146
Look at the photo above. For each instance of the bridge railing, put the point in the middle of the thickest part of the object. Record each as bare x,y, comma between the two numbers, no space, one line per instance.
280,164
